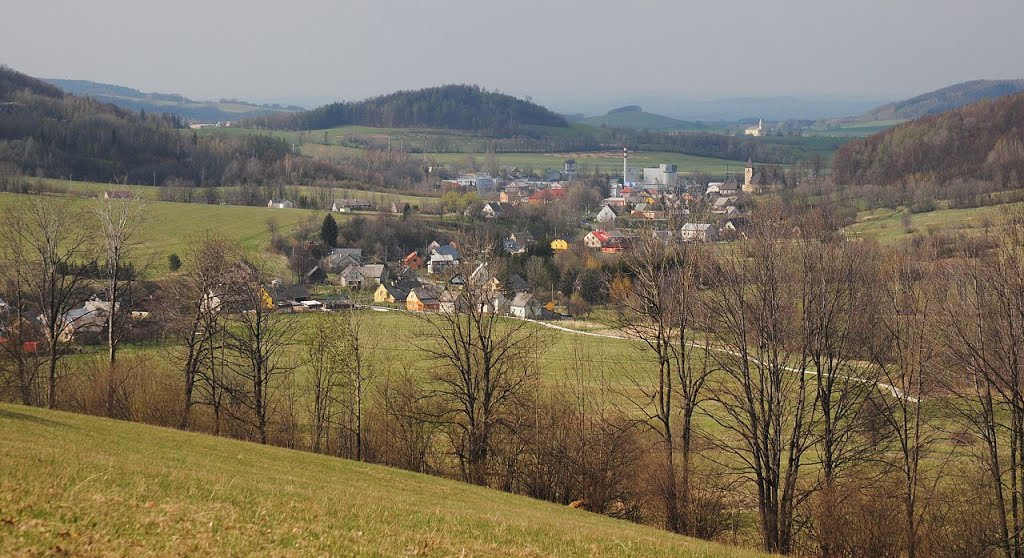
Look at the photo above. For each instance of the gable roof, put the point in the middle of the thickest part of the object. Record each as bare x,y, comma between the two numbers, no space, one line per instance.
446,250
522,299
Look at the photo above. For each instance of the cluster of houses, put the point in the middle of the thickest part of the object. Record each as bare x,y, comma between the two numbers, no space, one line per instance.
518,183
438,291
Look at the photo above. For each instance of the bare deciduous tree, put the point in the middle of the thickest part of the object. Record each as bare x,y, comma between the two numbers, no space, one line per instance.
482,361
763,402
903,352
53,270
257,338
983,326
660,310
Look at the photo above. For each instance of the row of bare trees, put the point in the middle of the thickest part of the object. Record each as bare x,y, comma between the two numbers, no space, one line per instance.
56,256
824,369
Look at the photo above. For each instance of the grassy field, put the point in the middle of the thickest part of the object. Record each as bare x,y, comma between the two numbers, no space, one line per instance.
886,225
454,146
171,226
79,485
853,129
602,161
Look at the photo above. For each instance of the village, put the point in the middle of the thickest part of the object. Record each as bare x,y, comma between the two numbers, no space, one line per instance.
655,201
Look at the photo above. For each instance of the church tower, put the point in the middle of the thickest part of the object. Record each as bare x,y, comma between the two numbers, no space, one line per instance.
748,176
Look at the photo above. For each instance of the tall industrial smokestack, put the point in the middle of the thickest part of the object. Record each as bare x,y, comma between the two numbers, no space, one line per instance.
625,165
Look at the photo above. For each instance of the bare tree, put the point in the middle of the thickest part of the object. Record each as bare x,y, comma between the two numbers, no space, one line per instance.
20,365
902,352
357,370
120,223
660,310
763,402
323,359
55,248
482,361
983,329
257,339
195,310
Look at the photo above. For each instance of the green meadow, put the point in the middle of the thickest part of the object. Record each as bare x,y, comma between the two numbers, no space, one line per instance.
138,490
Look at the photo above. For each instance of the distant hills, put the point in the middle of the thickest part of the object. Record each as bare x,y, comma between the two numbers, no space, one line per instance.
188,109
983,140
454,107
47,132
933,102
633,117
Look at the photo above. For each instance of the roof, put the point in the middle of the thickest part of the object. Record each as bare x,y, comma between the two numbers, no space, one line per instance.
348,202
696,227
286,293
601,236
425,293
522,299
547,195
446,250
517,284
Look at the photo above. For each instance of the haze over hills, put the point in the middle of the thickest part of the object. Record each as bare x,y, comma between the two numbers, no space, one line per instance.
634,117
732,109
169,103
938,101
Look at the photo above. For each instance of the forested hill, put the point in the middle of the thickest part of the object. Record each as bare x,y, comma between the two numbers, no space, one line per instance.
980,141
456,107
943,100
45,132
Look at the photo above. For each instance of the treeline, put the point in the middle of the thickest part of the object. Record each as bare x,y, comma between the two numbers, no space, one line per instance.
983,141
457,107
44,132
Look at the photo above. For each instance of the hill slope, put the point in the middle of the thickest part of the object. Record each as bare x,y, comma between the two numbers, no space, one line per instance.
454,107
91,486
979,141
945,99
133,99
637,119
45,132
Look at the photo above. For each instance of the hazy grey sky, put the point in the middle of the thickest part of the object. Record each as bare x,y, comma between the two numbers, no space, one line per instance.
556,51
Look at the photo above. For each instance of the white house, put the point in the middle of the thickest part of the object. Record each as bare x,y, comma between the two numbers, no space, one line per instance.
348,205
606,215
525,306
697,232
280,204
492,210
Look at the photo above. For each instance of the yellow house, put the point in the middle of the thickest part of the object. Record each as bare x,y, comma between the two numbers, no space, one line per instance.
422,300
382,294
559,244
266,300
390,293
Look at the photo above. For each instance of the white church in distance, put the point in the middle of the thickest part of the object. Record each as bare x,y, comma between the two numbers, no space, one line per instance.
757,131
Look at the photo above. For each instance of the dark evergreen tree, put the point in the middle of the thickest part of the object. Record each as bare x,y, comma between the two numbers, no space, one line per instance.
329,231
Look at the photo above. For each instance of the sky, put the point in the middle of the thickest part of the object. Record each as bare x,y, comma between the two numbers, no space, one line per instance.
565,54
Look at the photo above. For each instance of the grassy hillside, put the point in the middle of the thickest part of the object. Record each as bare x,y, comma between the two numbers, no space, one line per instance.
640,120
171,225
887,225
81,485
